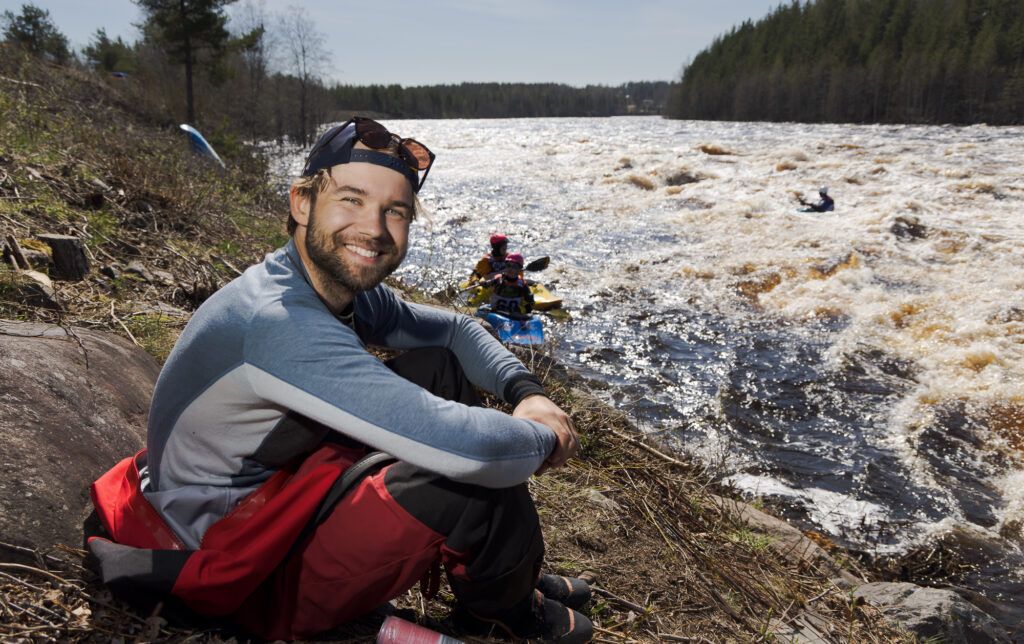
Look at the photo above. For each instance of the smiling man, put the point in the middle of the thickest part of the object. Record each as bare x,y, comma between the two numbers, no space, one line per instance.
293,480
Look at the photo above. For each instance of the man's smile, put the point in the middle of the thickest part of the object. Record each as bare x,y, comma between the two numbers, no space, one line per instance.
363,252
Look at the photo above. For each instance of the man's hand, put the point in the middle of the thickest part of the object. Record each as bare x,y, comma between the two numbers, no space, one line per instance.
540,408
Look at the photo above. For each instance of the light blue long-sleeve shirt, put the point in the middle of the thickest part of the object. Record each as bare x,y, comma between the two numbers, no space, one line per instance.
265,347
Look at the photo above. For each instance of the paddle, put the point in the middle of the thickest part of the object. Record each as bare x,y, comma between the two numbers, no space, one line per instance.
538,264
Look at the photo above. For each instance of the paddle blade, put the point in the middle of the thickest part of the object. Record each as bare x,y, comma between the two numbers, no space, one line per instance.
538,264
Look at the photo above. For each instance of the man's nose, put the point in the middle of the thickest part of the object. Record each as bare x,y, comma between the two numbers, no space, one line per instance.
373,222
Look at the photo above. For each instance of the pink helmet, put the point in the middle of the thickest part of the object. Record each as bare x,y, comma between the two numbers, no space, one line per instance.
514,258
498,239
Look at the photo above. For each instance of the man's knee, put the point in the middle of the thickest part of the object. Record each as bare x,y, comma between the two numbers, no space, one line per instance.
437,370
447,506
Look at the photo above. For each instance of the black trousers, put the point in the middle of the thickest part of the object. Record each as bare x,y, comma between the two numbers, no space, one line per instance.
497,528
392,527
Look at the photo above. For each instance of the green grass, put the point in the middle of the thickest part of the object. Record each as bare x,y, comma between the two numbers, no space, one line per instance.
155,333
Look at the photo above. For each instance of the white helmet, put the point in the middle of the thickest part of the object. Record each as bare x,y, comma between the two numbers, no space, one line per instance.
823,191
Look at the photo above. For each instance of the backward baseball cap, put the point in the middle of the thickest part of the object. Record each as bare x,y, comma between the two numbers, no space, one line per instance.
337,146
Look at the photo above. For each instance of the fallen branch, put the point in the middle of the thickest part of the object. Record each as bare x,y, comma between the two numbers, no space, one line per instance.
645,446
16,254
16,223
22,582
618,600
622,639
683,638
118,320
226,263
820,595
37,571
20,82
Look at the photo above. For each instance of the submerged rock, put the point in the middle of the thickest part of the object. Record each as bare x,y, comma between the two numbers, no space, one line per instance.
908,228
932,613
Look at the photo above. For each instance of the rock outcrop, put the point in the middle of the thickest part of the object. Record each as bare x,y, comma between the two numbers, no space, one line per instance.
72,403
932,613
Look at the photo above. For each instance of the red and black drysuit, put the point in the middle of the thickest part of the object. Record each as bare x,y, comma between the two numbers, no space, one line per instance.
268,542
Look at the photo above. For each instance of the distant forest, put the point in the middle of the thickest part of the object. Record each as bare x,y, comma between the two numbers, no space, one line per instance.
500,100
905,61
259,75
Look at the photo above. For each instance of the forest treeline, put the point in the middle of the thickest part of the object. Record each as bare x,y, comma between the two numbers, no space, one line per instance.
501,100
905,61
257,75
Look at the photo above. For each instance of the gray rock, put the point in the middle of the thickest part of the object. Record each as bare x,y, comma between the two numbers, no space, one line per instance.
908,227
601,501
99,184
788,542
71,406
36,289
807,627
932,612
138,268
163,277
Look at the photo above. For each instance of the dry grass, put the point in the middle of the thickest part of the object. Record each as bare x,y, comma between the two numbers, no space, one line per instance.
82,159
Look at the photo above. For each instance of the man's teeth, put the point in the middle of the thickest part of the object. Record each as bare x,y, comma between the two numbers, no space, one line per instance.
365,252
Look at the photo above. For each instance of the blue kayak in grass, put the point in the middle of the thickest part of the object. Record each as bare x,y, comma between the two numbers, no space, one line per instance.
527,330
199,145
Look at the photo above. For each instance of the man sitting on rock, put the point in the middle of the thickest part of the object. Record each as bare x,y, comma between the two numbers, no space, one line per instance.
256,496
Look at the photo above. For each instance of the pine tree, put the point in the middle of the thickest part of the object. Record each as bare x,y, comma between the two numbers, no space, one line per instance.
33,30
108,55
188,30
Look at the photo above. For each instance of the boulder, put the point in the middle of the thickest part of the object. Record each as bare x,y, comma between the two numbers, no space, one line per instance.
72,403
932,613
908,228
787,541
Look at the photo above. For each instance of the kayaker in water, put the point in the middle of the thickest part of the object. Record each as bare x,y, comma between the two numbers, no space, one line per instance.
270,408
825,204
511,293
493,263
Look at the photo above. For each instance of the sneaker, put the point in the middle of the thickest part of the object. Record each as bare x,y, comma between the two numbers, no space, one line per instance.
572,592
535,618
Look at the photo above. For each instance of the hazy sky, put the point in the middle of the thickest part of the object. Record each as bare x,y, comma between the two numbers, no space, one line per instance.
425,42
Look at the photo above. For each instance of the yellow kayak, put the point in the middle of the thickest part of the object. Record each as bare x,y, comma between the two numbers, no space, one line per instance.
543,299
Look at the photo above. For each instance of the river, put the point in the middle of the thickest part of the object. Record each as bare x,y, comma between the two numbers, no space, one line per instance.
860,371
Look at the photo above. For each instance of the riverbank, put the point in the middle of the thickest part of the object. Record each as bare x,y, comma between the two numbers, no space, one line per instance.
161,230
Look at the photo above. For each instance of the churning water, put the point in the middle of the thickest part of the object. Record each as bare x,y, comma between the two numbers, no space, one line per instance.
863,369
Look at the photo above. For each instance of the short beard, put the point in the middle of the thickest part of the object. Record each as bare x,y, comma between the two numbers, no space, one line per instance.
324,251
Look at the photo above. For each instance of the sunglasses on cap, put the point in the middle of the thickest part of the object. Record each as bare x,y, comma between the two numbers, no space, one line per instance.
375,136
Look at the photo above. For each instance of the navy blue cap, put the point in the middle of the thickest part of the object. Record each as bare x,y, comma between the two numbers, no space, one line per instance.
335,147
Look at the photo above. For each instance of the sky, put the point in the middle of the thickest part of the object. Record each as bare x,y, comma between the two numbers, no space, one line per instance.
428,42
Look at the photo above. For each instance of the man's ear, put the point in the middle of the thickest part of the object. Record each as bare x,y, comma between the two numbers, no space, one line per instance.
299,206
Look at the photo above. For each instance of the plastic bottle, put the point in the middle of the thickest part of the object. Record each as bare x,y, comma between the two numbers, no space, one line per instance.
395,630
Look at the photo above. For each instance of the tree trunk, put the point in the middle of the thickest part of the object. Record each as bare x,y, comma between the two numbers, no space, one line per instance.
191,118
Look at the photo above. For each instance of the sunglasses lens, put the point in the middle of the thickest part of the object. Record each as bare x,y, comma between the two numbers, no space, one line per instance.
372,134
415,154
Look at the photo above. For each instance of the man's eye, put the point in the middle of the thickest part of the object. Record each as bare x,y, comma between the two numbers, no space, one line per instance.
392,212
